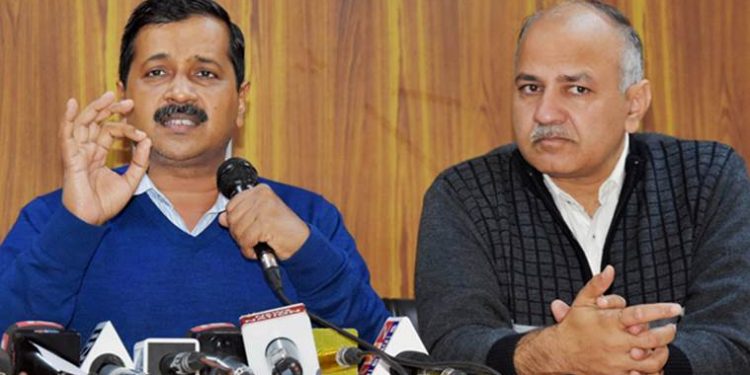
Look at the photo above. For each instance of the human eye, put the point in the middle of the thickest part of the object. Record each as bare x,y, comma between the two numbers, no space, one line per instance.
156,72
206,74
579,90
529,89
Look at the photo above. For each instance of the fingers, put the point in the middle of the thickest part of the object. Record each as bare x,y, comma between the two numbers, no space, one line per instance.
612,301
223,219
559,310
139,163
642,314
595,287
655,337
654,362
92,111
111,130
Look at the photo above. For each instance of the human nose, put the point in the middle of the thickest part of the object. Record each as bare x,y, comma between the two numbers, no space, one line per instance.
181,90
549,109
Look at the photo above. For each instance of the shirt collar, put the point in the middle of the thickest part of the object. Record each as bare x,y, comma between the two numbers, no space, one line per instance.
147,185
612,184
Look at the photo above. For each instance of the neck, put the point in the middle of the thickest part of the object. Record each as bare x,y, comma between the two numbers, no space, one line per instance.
192,191
584,191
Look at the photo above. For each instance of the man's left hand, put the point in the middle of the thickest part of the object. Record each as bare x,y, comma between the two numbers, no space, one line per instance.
259,215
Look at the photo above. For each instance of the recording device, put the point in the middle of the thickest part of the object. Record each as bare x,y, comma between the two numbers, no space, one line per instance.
223,341
42,348
280,341
396,336
337,354
150,353
236,175
104,353
340,360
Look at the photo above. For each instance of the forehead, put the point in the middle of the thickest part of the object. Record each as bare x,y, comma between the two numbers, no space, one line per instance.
571,41
194,36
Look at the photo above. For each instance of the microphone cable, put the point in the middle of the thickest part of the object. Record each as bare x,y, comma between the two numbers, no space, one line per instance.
395,363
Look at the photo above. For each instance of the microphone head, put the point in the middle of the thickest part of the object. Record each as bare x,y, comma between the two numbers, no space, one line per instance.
234,175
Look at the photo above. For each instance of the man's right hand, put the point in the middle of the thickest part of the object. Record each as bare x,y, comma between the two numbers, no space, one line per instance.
592,340
91,191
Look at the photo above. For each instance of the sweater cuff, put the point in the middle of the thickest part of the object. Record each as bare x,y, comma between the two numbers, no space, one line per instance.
70,241
314,263
500,356
677,363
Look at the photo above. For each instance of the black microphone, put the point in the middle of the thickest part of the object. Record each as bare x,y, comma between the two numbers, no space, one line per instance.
223,341
236,175
182,363
40,348
110,364
283,358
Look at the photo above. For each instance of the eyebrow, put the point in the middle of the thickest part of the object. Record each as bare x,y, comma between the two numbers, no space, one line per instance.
206,60
580,77
158,56
199,58
585,77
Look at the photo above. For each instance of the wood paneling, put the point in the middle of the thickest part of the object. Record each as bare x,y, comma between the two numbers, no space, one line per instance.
363,101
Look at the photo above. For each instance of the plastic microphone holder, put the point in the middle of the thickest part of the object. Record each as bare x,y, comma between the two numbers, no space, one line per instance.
64,343
220,341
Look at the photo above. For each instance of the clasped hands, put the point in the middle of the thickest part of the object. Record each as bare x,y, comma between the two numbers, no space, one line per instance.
600,334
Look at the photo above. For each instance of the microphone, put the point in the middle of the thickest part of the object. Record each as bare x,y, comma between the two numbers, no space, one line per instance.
282,357
340,359
149,353
236,175
397,335
224,341
182,363
280,341
104,353
41,348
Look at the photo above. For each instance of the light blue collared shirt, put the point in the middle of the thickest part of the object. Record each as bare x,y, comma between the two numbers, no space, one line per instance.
165,206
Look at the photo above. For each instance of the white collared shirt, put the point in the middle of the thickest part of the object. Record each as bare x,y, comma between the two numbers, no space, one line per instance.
591,232
165,206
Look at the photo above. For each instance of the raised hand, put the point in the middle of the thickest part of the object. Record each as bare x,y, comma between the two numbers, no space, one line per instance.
259,215
91,191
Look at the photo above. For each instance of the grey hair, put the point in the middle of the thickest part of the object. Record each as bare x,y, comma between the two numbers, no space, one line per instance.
631,59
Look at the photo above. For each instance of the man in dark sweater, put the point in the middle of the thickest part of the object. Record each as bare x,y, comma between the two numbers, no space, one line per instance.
154,247
574,249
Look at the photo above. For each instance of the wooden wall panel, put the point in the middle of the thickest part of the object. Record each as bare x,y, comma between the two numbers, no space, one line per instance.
363,101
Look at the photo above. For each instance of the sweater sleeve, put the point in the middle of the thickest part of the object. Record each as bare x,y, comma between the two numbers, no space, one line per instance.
461,314
331,277
42,262
714,334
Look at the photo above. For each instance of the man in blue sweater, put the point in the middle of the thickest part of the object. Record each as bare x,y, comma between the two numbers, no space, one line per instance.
154,247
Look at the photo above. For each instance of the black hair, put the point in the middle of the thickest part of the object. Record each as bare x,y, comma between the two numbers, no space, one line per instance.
167,11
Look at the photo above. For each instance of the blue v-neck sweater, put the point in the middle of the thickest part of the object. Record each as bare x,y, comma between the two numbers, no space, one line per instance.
153,280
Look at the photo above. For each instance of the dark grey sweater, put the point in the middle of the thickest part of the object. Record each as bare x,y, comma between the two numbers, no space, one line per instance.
494,251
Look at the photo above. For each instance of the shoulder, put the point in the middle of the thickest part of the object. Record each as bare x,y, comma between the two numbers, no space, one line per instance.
492,168
667,147
693,158
307,204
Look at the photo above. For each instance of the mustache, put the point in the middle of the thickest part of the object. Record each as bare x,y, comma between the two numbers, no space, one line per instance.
162,114
542,132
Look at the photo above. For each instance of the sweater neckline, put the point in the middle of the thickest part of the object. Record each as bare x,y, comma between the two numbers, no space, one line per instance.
172,232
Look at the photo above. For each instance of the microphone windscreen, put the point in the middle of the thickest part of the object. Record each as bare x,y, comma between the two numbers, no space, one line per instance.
235,173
